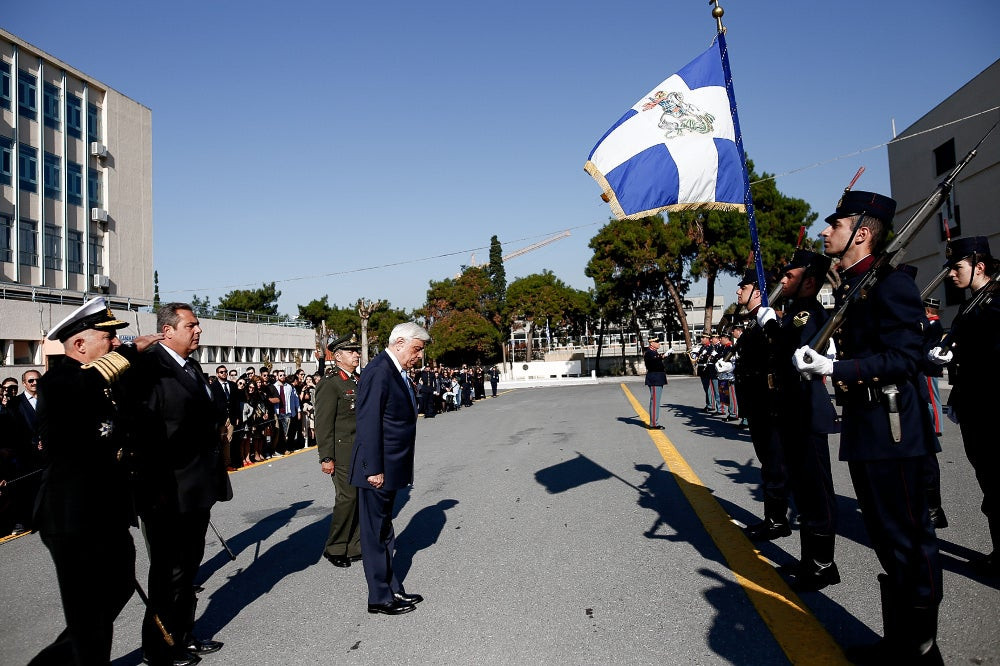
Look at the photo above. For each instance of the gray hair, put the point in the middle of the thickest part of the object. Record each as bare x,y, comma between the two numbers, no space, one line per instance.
408,330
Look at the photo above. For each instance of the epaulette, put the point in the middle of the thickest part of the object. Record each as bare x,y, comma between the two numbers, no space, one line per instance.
111,366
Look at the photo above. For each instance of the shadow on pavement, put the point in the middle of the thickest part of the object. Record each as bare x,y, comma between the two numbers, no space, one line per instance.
422,532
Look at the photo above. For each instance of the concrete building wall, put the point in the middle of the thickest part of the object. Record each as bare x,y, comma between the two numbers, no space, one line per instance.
913,175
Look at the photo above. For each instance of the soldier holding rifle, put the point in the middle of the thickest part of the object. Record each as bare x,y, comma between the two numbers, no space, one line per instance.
975,358
886,433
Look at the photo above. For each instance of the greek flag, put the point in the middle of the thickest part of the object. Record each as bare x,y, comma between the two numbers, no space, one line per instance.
675,149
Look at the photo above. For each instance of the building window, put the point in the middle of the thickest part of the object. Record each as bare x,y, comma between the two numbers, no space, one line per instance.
28,238
27,94
53,247
53,176
93,123
6,238
944,157
74,116
94,186
28,167
74,183
96,252
4,84
74,252
52,95
6,160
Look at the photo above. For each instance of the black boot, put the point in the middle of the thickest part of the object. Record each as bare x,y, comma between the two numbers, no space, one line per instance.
921,646
816,568
775,523
887,649
938,519
989,565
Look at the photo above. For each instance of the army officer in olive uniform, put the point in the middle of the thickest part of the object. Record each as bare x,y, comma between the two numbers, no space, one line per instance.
336,423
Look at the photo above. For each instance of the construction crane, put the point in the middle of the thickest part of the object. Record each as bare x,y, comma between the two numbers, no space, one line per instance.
524,250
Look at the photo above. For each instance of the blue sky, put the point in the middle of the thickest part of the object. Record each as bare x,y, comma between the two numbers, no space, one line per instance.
302,141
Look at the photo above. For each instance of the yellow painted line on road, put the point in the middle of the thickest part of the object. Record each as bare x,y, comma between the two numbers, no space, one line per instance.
802,637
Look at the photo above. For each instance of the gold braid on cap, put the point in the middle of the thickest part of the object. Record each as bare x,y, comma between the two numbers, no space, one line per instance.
111,366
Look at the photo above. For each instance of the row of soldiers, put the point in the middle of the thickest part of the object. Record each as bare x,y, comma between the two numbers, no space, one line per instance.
878,361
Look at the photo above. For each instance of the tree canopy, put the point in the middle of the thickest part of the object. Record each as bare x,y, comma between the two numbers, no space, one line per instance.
258,301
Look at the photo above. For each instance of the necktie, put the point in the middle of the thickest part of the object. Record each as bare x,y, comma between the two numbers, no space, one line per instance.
406,380
225,387
189,368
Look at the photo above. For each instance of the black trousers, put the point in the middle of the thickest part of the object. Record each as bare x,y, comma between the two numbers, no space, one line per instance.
773,468
176,543
96,575
807,455
983,450
378,542
894,507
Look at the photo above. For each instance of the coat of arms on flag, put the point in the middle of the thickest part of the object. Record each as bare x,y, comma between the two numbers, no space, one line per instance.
675,149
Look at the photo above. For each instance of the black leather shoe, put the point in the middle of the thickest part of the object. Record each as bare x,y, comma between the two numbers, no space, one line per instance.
396,607
768,530
654,427
197,646
175,659
402,597
338,560
813,577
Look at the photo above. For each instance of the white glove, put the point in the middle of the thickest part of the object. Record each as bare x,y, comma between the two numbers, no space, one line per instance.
831,351
723,366
817,364
668,352
938,357
951,414
765,315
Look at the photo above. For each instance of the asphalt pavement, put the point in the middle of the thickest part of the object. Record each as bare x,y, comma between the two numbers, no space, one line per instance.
545,526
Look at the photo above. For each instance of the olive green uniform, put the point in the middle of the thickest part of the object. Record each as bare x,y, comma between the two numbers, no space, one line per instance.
335,426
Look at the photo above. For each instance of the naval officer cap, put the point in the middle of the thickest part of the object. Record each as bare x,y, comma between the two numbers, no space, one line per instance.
347,343
961,248
95,313
857,202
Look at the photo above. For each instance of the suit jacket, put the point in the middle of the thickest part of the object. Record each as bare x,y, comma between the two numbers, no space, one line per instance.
181,466
25,434
387,426
230,405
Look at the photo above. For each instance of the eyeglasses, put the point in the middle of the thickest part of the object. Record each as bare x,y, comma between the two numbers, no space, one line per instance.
30,381
220,372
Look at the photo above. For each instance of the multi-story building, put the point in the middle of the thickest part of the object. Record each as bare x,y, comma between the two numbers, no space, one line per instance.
76,213
922,156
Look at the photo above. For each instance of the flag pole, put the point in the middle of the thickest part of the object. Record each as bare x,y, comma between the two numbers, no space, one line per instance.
717,13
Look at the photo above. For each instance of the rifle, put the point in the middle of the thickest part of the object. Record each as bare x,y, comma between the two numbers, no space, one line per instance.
894,253
983,297
771,298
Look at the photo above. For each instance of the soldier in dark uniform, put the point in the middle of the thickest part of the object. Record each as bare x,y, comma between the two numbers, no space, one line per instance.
336,423
427,386
755,378
84,507
656,377
886,434
494,375
700,358
808,417
932,372
975,338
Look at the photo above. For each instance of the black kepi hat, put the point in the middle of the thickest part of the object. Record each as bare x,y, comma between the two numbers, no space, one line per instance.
960,248
749,277
95,313
814,262
857,202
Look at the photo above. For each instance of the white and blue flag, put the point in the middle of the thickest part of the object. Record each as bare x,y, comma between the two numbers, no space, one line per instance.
675,149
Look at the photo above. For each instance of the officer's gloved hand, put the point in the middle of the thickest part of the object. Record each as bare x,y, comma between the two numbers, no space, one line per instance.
723,366
810,362
951,414
765,315
831,351
668,352
939,357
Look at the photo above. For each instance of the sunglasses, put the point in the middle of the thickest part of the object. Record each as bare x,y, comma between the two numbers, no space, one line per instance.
30,381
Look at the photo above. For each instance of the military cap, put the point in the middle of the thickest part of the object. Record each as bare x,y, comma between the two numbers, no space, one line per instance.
856,202
347,342
95,313
814,262
749,277
960,248
932,302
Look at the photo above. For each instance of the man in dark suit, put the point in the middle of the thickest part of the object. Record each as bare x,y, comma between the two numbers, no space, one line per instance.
84,508
383,460
224,394
886,434
181,476
28,447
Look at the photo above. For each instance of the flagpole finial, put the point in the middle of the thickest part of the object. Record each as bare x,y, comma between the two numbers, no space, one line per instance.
717,13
